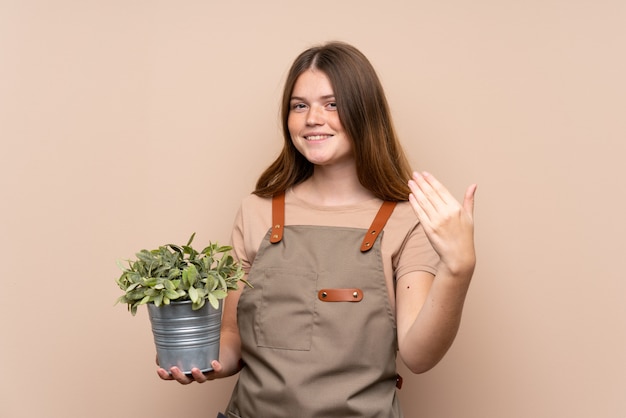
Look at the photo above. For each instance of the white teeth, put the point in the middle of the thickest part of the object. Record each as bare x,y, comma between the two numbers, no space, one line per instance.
316,137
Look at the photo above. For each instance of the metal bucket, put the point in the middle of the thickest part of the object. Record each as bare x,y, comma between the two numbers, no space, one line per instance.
186,338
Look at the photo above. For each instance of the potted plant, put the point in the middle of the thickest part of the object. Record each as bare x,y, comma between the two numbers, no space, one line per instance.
175,282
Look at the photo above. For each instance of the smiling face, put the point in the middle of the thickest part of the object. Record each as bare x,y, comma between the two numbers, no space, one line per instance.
314,124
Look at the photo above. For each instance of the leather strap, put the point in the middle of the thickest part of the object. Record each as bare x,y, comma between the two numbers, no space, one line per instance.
340,295
377,225
278,221
278,218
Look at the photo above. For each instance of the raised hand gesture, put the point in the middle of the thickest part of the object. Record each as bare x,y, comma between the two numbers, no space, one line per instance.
448,224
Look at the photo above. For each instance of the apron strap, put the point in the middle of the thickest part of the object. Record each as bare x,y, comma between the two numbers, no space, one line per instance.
278,221
377,225
278,217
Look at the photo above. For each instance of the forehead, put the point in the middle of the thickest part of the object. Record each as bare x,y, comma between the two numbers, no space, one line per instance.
312,82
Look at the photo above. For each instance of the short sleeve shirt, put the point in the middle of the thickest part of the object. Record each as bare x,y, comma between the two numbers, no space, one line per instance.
404,245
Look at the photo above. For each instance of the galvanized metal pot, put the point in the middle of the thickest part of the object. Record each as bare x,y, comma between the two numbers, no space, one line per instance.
186,338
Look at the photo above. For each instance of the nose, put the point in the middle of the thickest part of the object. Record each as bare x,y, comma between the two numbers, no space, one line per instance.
315,116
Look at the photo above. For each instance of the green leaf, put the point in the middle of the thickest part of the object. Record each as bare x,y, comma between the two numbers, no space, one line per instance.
214,301
149,281
212,283
173,271
224,248
192,275
136,294
191,252
176,248
132,287
145,256
198,305
193,294
191,239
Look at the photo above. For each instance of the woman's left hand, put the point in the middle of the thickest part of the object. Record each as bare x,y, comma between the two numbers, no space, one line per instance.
448,225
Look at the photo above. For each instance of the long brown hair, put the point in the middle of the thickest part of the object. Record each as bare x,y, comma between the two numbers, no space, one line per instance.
381,164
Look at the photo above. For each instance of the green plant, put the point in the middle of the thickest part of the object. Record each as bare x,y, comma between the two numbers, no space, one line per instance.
179,273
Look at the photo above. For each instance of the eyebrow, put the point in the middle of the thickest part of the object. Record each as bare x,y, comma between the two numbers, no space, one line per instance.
325,97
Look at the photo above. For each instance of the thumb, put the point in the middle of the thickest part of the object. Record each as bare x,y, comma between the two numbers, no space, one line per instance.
468,201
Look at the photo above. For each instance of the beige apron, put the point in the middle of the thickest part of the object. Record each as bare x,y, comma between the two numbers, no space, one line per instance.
317,330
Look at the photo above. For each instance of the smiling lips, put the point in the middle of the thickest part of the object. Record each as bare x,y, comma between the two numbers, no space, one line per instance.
317,137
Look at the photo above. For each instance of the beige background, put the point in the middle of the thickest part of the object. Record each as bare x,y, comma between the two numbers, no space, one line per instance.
129,124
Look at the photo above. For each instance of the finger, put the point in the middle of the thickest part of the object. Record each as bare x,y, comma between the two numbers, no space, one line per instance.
212,374
438,188
163,374
420,204
198,376
180,376
422,192
217,366
468,201
417,208
433,191
423,184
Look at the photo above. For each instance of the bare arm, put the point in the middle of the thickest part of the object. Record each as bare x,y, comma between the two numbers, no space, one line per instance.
429,308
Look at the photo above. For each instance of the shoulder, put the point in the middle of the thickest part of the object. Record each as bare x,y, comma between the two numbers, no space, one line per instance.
254,213
255,208
254,202
407,243
403,218
252,222
402,229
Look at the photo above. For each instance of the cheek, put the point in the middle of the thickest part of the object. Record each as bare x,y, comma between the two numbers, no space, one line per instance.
293,131
292,125
335,122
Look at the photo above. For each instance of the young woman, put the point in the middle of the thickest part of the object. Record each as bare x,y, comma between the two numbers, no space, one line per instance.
353,257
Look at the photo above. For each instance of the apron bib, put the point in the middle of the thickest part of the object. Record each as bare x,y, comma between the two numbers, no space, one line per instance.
317,331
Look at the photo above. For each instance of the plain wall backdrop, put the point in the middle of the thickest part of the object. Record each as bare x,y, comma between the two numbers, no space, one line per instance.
130,124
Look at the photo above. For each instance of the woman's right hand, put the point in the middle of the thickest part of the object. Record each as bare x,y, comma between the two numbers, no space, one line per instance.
196,374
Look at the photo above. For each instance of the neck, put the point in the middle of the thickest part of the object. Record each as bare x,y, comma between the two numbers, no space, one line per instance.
333,187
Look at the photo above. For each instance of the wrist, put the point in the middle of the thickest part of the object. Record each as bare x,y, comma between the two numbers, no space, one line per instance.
460,270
